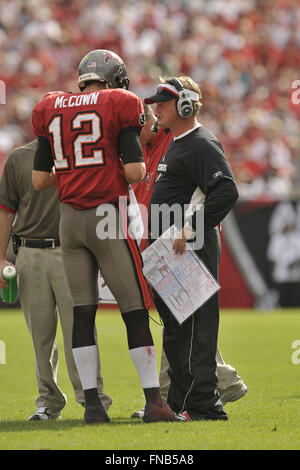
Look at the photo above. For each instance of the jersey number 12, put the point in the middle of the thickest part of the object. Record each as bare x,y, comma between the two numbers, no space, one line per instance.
80,158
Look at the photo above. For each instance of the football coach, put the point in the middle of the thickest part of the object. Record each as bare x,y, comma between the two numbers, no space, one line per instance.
192,173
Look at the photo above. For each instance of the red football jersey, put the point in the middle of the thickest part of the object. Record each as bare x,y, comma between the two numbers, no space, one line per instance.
83,130
153,153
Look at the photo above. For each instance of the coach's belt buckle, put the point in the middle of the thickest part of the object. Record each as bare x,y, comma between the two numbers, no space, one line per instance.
52,240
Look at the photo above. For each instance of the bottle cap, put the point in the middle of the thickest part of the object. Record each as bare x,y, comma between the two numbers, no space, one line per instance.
9,272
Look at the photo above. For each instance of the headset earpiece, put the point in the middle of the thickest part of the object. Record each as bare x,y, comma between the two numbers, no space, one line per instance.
184,105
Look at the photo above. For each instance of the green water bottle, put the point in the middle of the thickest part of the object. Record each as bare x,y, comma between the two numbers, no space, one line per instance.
10,295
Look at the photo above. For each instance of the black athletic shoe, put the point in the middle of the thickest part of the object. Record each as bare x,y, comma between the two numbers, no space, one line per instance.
95,414
221,417
44,414
138,414
185,416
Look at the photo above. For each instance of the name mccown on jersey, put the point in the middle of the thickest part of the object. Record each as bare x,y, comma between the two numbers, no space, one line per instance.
76,100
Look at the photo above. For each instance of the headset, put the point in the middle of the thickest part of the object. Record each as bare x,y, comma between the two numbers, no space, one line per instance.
184,105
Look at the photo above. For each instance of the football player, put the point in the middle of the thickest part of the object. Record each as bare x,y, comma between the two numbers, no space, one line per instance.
92,140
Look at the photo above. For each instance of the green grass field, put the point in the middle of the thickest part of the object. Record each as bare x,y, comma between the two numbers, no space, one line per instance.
258,344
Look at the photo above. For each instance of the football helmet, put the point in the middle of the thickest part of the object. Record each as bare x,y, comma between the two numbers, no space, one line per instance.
105,66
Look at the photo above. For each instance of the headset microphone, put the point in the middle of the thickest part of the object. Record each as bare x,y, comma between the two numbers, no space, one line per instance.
154,128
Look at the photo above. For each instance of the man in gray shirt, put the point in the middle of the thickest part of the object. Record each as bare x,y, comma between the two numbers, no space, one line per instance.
44,294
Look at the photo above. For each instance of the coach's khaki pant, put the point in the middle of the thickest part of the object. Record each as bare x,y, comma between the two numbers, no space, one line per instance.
44,294
227,375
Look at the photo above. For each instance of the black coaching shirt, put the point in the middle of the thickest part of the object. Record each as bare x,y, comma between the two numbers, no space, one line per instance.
194,170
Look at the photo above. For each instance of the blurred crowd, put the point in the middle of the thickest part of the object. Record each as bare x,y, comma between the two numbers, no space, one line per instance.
245,55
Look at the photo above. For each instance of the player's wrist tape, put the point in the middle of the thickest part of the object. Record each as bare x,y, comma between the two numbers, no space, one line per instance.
189,231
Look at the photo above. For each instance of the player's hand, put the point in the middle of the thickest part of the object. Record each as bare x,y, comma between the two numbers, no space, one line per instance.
3,263
179,244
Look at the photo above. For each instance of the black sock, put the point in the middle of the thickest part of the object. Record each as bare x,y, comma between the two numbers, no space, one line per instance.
83,325
138,329
152,395
92,398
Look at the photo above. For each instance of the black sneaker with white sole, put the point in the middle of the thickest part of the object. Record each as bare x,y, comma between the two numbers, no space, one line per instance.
43,413
138,414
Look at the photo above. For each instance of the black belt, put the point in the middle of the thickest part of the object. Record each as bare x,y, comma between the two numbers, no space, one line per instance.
46,243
